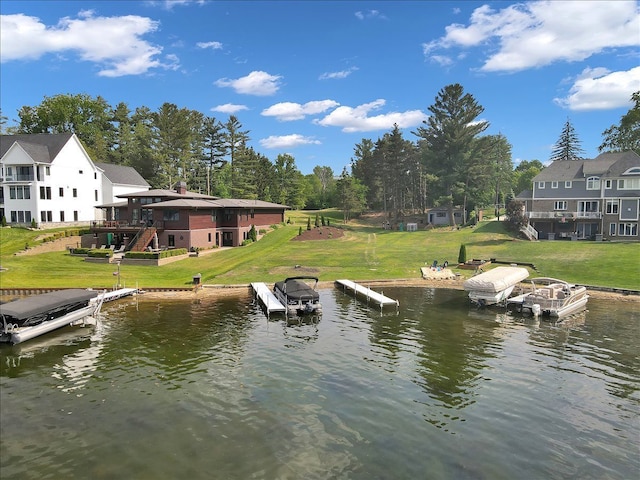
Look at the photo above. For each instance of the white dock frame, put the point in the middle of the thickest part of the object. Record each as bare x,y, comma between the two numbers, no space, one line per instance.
267,298
370,295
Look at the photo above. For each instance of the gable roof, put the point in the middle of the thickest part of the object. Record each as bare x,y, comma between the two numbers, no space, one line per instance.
606,164
41,147
120,174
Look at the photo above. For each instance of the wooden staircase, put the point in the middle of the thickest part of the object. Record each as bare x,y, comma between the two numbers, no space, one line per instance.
144,239
530,232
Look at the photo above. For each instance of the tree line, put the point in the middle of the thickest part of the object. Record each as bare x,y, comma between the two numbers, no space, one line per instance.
451,163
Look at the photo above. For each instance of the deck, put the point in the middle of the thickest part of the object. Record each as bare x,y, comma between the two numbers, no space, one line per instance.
366,292
267,298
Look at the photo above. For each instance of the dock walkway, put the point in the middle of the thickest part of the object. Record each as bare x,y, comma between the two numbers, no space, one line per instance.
370,295
267,298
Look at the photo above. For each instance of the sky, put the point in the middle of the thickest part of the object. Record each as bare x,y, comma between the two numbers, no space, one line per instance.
314,78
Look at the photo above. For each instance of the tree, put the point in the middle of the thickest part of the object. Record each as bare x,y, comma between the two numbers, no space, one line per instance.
462,254
446,142
523,174
89,118
626,135
234,138
516,218
568,146
351,194
326,184
213,149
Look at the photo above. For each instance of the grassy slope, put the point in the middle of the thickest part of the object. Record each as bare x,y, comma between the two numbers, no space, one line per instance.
364,253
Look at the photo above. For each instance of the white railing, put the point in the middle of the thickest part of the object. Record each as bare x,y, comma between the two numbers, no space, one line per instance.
530,232
564,215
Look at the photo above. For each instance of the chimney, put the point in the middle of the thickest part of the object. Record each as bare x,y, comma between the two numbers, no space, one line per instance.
181,188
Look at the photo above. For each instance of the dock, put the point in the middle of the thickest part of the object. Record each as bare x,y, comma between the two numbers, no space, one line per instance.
267,298
109,296
366,292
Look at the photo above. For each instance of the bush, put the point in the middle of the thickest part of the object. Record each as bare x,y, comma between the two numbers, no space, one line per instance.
309,223
462,255
300,231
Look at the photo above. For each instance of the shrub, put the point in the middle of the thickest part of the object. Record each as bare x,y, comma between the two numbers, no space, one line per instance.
462,255
309,223
4,221
253,236
300,231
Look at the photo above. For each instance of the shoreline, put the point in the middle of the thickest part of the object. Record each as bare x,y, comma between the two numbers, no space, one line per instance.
212,290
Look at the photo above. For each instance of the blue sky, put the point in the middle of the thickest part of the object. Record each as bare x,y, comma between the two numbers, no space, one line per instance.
312,79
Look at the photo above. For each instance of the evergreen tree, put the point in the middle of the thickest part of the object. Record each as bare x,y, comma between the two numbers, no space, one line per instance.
351,194
568,146
234,138
446,142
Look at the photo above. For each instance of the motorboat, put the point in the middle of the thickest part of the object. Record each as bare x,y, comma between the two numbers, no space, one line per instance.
30,317
298,296
553,298
494,286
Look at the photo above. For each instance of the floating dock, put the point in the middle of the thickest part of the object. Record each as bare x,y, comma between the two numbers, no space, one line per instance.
370,295
267,298
109,296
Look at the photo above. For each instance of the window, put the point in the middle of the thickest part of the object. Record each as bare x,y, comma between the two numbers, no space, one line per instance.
629,184
96,195
214,216
567,184
441,214
19,192
612,207
20,216
587,206
75,215
61,191
46,216
554,184
47,171
612,229
95,176
45,193
540,185
608,184
61,215
171,240
209,237
627,229
170,215
75,193
253,213
593,183
560,205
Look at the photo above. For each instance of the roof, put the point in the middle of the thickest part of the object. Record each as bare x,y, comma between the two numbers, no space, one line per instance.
41,147
123,175
244,203
159,192
191,203
606,164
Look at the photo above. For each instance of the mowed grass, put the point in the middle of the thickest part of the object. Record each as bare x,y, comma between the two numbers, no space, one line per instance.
365,252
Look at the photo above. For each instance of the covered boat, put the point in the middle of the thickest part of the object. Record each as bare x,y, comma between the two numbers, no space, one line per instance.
297,295
494,286
38,314
554,298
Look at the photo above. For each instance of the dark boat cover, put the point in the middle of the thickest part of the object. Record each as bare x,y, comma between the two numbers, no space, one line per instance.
37,305
297,289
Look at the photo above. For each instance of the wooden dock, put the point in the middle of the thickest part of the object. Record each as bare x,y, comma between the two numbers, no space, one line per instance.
267,298
367,293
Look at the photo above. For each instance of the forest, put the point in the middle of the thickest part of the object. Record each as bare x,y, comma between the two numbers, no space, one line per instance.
450,162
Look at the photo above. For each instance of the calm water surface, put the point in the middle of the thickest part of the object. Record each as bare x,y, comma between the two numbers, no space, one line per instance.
209,388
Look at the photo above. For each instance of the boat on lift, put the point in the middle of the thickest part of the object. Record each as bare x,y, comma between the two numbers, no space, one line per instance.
298,296
494,286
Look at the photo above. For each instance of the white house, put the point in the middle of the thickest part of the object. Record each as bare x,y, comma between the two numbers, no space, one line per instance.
50,179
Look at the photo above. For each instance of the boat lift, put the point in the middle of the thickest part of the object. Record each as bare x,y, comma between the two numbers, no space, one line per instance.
366,292
267,298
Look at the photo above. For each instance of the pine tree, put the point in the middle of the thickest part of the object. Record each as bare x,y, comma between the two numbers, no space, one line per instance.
568,146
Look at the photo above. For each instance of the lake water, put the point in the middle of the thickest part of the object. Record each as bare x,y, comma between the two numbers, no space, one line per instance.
211,389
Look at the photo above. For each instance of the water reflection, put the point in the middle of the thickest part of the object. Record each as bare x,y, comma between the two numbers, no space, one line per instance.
207,388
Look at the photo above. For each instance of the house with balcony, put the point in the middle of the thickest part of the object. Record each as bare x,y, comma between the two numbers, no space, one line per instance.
50,179
157,219
587,199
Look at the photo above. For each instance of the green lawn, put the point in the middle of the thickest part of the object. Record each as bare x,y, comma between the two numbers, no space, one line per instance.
365,252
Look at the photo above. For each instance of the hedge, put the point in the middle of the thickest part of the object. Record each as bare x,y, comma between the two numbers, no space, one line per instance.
156,255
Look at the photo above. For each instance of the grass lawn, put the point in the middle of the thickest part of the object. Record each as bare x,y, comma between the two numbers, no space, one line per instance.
365,252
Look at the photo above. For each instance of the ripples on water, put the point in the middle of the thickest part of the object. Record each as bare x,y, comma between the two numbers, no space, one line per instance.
212,389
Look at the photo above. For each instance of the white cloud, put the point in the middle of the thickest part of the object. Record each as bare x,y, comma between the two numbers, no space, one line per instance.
229,108
369,14
358,120
256,83
288,141
535,34
341,74
211,45
288,111
169,4
114,43
600,89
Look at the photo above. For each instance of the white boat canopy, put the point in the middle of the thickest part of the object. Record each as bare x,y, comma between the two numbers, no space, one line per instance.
496,280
